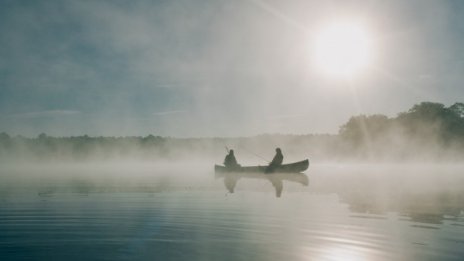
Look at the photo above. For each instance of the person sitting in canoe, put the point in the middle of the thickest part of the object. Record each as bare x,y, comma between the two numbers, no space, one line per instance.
276,161
230,162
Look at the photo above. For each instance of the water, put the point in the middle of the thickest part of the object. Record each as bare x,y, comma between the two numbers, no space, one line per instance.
151,212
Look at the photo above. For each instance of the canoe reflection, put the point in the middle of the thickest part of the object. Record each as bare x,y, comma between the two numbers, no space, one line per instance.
276,179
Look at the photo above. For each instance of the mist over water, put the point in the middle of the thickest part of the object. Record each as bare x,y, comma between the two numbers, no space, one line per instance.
178,210
113,115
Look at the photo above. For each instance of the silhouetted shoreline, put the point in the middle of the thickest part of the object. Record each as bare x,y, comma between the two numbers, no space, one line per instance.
428,131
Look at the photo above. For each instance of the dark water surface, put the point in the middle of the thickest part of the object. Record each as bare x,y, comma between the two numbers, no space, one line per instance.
357,212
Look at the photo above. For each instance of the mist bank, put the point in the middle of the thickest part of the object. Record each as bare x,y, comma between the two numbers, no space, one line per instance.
427,132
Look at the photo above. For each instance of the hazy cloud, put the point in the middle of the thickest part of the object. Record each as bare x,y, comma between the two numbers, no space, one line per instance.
49,113
164,113
229,64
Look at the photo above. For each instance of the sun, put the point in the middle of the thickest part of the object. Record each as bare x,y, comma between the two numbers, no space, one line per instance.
341,50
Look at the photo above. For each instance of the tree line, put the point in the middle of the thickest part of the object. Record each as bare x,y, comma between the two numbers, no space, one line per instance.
426,131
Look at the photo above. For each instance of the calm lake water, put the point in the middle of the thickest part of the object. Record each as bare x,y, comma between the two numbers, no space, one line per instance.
152,212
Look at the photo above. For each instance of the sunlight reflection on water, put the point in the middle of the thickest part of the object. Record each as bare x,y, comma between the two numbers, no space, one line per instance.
353,214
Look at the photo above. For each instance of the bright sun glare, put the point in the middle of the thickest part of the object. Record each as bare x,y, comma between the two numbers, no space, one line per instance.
341,50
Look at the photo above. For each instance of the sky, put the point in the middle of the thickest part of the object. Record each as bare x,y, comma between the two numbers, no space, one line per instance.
216,67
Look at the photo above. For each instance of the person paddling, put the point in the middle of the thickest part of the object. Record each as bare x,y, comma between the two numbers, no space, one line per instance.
276,161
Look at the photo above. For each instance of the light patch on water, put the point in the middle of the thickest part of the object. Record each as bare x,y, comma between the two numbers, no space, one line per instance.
177,211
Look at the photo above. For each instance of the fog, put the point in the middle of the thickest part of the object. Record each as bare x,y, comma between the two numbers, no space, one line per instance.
180,209
215,68
113,115
428,133
430,190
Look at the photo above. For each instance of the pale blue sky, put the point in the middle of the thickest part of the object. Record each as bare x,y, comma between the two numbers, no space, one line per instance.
214,68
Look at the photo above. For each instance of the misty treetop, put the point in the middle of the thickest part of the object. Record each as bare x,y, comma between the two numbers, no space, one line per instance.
426,131
425,128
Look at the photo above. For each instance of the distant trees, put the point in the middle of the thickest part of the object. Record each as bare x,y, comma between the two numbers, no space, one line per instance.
428,125
362,128
4,136
434,120
458,109
79,147
427,128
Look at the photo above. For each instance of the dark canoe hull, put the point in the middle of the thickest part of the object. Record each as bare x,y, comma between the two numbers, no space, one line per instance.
295,167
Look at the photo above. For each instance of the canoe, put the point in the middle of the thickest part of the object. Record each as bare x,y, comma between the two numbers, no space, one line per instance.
295,167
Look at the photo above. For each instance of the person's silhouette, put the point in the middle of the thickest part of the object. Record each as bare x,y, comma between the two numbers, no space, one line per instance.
230,161
276,161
